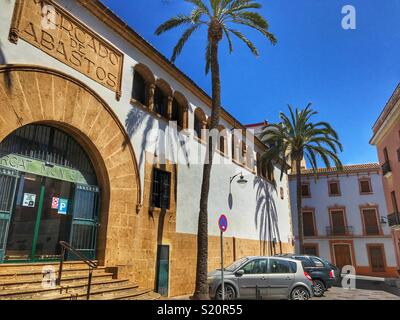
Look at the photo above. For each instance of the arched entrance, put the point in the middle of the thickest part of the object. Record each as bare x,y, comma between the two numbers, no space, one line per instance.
48,194
33,95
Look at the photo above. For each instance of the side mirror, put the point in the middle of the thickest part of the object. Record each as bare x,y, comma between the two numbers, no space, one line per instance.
239,273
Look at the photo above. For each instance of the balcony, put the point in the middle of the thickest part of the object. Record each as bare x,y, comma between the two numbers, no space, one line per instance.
393,219
386,169
372,231
340,231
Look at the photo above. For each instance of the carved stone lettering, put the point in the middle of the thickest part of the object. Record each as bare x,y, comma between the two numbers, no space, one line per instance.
68,40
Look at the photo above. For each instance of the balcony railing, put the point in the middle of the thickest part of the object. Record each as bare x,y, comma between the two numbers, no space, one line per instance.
340,231
394,219
372,230
386,169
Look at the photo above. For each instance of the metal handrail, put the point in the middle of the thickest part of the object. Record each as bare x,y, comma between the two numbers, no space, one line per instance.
340,231
91,264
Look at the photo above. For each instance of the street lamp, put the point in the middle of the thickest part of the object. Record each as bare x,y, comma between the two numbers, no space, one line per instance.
383,220
242,184
241,181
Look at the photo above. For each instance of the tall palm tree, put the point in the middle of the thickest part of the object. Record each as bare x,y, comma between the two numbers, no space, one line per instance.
218,17
296,138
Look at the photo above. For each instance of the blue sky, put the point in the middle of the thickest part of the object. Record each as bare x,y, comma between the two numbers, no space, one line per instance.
348,75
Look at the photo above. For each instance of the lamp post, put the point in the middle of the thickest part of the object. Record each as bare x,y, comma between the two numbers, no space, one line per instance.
241,182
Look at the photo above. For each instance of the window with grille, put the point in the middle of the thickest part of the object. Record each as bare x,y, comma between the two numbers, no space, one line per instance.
161,189
311,250
365,186
334,188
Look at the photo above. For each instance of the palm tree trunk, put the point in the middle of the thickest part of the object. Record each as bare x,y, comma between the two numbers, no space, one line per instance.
201,290
299,205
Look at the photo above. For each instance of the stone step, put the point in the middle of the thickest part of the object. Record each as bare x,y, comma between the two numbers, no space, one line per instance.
148,296
37,292
106,293
38,274
37,266
126,294
67,279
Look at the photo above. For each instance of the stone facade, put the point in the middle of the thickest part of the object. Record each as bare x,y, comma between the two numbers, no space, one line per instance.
386,138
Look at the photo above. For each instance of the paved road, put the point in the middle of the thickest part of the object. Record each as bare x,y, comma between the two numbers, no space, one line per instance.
336,293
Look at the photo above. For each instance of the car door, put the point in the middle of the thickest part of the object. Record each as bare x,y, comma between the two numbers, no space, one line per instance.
280,278
253,283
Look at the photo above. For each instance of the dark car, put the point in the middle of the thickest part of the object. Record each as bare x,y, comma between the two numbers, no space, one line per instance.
320,270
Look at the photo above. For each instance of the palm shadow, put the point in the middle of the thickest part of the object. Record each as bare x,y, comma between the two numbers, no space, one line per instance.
133,121
266,216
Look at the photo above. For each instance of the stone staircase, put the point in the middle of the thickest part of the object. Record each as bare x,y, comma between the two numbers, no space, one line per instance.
30,282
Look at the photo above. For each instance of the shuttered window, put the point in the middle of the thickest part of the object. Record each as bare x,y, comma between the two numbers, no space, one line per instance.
370,221
365,186
161,189
308,224
334,189
305,190
376,256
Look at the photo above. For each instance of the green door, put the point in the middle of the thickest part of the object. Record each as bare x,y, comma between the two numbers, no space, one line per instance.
85,220
162,270
8,184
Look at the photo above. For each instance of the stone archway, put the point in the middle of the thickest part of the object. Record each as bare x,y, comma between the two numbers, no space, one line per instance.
33,94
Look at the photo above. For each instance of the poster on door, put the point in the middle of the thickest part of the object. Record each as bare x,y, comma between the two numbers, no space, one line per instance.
29,200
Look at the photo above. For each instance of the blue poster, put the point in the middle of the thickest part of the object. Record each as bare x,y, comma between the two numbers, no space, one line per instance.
62,206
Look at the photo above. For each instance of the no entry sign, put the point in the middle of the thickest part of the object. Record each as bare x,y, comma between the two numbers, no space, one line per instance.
223,223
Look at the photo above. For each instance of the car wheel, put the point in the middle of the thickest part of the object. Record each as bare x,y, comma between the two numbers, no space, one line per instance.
230,293
318,288
300,293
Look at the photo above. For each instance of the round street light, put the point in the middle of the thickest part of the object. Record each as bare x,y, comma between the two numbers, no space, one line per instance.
242,182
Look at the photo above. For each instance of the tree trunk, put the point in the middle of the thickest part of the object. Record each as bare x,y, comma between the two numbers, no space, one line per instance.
201,290
299,205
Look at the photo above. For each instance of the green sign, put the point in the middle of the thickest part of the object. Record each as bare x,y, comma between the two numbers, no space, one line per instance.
19,163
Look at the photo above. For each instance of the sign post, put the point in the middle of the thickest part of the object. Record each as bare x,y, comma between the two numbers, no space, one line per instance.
223,226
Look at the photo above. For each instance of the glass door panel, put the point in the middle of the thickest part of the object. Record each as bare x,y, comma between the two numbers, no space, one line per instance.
8,182
22,227
55,218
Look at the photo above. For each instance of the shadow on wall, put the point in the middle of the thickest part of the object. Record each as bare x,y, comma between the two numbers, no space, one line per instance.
7,76
133,121
266,216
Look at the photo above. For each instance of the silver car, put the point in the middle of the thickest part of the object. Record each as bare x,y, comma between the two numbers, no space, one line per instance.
262,278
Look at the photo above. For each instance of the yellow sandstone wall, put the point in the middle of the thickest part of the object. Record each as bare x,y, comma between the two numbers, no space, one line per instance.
183,247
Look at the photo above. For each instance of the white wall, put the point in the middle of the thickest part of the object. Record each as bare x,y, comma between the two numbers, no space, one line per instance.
351,199
189,179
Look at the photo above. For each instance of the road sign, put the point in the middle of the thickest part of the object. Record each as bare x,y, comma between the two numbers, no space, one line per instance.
223,223
62,206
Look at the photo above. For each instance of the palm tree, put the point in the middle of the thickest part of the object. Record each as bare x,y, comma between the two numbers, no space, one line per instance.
218,17
296,138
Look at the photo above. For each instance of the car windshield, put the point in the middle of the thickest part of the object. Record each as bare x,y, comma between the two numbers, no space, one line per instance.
236,264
